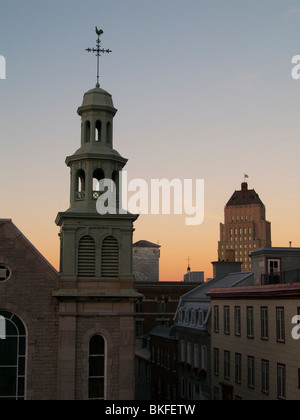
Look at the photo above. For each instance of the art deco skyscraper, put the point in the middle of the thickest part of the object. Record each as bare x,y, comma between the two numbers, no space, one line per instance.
245,227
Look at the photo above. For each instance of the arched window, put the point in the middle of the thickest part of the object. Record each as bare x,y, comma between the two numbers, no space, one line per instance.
87,132
98,131
86,257
109,133
97,368
80,185
110,257
116,180
98,175
12,358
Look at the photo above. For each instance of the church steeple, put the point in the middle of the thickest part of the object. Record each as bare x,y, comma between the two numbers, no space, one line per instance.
96,286
96,159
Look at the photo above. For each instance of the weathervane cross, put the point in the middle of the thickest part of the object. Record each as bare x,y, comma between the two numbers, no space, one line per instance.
98,52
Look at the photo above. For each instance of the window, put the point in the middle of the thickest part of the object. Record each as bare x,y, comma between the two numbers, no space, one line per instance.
216,362
193,321
5,273
227,365
280,325
109,133
187,317
183,357
87,132
216,319
226,320
281,381
162,306
251,372
183,388
97,368
98,175
201,318
216,394
12,359
189,353
180,316
86,257
80,185
153,354
196,356
250,322
237,319
265,386
110,257
204,358
264,324
238,368
98,131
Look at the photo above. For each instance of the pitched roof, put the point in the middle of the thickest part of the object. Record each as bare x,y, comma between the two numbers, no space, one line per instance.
8,230
244,197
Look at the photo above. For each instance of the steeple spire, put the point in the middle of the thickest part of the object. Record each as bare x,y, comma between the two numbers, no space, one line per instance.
98,52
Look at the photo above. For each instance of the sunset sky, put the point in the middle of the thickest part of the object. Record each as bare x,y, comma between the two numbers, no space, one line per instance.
203,90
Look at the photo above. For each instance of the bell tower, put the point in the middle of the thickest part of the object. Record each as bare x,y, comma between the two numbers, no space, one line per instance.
96,291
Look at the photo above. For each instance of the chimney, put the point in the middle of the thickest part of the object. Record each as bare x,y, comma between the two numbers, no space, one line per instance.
244,187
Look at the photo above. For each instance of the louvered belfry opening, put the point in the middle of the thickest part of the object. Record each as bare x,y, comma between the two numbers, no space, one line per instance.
110,257
86,257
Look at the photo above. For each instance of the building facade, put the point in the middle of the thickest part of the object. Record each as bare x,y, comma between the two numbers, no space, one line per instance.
158,304
29,345
245,227
253,352
193,323
164,364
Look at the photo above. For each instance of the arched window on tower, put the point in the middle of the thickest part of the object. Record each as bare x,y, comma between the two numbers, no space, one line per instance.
98,131
80,185
110,257
87,132
97,368
86,257
12,358
109,133
98,175
116,180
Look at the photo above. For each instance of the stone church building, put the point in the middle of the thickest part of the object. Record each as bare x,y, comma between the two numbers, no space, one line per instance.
71,335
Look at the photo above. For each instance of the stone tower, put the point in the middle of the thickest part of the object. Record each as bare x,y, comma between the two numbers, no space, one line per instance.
96,293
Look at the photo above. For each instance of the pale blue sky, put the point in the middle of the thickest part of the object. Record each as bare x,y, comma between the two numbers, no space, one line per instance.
203,89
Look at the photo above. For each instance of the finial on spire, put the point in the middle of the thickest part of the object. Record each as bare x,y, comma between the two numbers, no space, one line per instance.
98,52
189,268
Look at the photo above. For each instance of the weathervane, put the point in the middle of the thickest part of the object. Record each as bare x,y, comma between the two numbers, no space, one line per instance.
98,52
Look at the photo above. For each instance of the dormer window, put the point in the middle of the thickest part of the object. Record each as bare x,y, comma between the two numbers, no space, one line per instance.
187,317
193,322
180,316
201,318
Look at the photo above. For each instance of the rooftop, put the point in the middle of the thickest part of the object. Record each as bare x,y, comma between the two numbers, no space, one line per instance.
244,197
145,244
